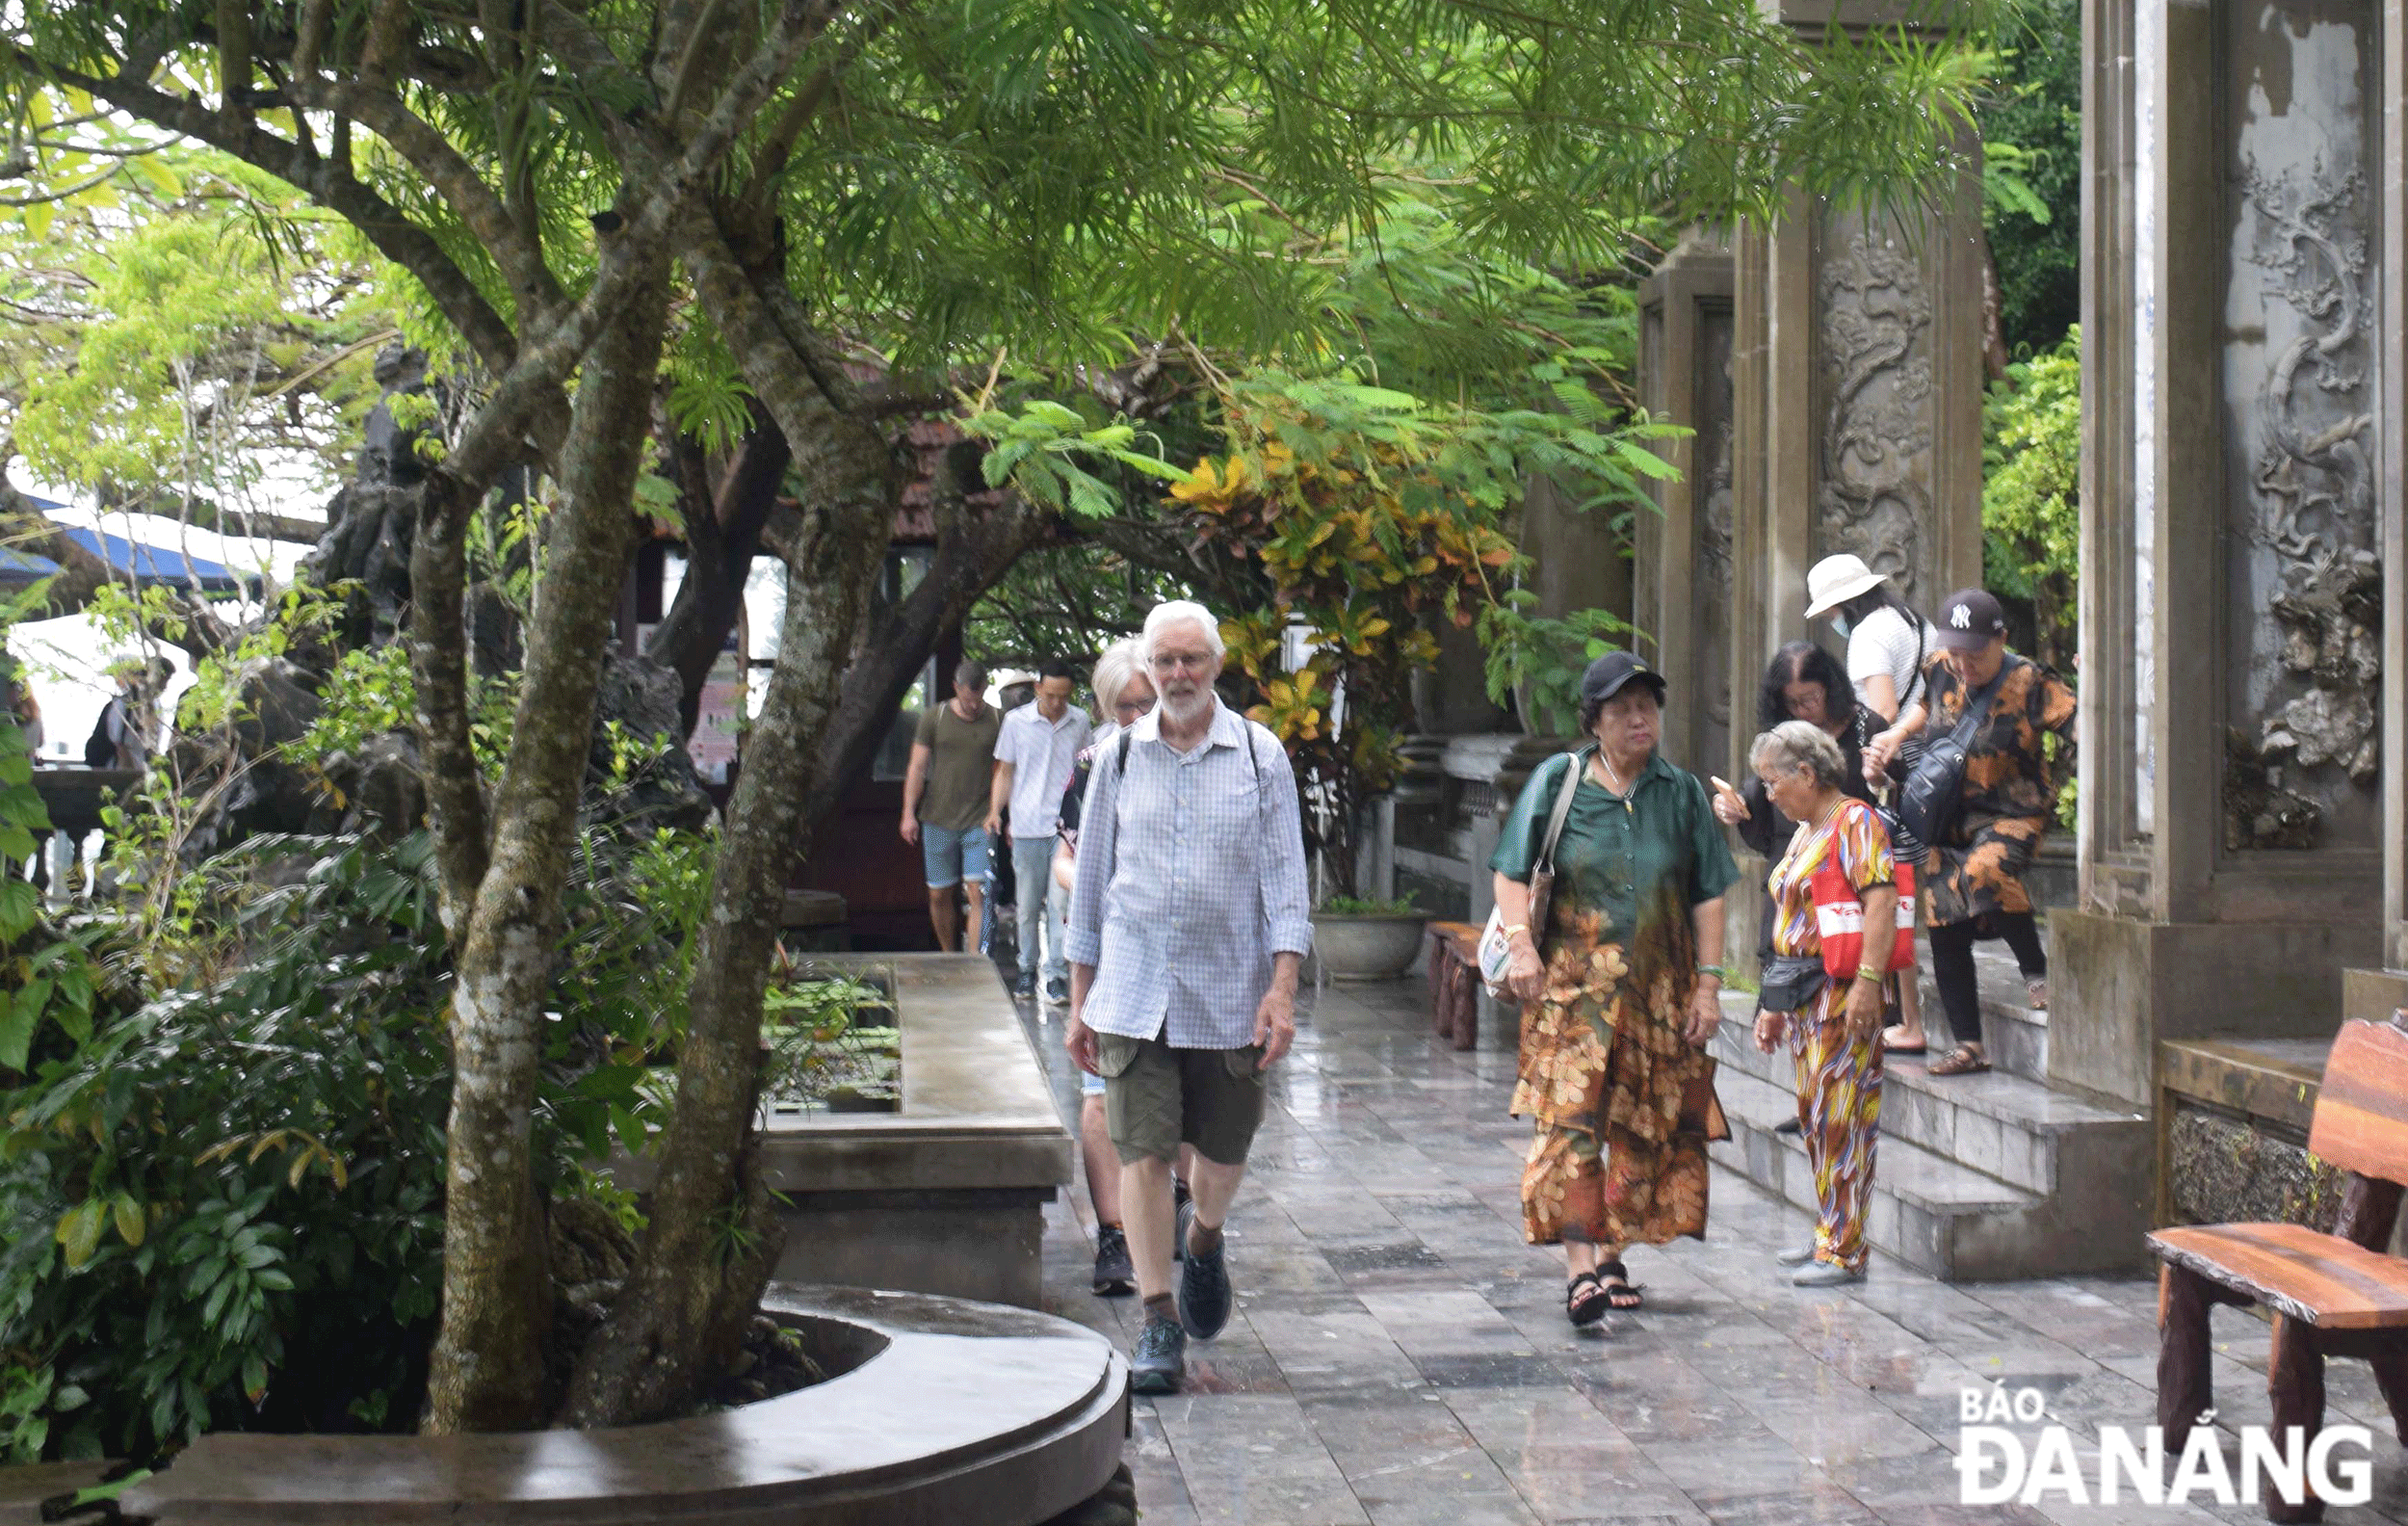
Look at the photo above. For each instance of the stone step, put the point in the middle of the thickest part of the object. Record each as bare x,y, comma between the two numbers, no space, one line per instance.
2002,1125
1978,1177
1918,1198
2014,1037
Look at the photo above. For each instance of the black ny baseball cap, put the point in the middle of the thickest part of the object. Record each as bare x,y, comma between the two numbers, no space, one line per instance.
1610,673
1970,621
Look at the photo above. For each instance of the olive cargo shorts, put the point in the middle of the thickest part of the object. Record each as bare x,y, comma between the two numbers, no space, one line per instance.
1156,1096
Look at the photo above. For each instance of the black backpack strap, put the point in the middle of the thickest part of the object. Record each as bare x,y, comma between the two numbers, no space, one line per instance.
1120,768
1917,683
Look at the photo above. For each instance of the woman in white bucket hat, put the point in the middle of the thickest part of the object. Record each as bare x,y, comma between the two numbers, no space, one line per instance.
1888,644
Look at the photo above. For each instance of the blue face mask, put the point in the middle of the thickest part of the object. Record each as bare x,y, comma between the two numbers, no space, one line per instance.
1840,624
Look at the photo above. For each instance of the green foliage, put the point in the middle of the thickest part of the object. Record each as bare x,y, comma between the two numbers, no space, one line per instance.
1536,661
1045,450
1355,906
821,1051
159,337
2031,497
247,1171
235,1176
2031,134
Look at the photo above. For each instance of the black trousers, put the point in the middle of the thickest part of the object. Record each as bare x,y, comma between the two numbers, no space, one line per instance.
1953,964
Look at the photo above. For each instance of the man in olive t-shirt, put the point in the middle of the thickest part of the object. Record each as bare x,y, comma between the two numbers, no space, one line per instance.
944,807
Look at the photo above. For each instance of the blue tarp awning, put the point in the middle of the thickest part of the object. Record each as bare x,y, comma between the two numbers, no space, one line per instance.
22,569
144,564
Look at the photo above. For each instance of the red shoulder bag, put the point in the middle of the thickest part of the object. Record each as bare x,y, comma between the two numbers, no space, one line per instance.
1840,916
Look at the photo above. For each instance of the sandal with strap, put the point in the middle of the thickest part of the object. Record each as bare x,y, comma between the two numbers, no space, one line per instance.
1620,1294
1963,1060
1586,1308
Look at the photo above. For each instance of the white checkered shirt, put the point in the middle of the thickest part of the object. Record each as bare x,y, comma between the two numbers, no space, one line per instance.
1191,877
1041,753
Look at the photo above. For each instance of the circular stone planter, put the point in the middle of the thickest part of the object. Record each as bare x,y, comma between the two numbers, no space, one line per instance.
942,1410
1367,948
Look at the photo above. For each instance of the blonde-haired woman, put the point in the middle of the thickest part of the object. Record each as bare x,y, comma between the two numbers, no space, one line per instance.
1123,692
1833,1024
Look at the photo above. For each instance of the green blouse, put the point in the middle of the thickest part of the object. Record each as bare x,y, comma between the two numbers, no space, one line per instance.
1611,858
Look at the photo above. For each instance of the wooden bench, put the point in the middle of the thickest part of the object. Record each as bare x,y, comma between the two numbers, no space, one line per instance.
1454,987
2329,1295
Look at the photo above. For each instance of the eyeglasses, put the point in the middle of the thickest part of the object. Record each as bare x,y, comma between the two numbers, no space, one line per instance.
1128,710
1172,662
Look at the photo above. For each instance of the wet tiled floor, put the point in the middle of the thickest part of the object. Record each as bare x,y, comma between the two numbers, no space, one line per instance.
1400,1357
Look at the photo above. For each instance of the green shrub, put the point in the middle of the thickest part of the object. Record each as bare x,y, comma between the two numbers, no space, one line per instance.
220,1189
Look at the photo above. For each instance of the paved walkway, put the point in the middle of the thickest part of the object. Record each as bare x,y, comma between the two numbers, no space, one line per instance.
1400,1357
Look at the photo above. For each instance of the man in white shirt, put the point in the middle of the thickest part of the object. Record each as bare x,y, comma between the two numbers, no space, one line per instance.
1035,754
1190,924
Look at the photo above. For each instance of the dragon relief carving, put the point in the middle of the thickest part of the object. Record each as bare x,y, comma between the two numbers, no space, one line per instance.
1875,494
1714,522
2313,486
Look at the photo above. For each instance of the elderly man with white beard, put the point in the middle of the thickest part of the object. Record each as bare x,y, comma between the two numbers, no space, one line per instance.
1187,926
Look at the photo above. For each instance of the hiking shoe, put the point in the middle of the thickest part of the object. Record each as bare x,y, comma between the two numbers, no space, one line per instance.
1114,1276
1204,1297
1058,992
1160,1362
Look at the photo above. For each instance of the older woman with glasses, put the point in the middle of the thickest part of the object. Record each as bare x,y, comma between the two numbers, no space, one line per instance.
1833,1025
1620,988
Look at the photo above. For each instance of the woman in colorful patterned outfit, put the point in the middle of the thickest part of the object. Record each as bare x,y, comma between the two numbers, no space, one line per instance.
1620,990
1835,1038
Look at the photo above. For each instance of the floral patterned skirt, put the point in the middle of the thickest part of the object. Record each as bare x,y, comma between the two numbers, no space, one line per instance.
1606,1071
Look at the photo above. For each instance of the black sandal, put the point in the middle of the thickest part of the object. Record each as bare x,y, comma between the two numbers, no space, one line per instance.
1620,1294
1584,1309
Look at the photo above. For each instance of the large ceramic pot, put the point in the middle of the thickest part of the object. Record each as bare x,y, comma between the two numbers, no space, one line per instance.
1367,948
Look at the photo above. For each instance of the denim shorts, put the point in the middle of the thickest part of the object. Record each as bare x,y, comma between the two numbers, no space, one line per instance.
953,857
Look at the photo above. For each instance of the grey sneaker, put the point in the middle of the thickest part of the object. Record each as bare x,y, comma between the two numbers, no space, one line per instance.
1114,1276
1204,1296
1827,1273
1160,1362
1796,1255
1058,994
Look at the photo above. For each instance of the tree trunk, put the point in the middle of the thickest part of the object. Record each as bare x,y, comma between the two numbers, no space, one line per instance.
970,556
488,1369
674,1325
721,543
682,1315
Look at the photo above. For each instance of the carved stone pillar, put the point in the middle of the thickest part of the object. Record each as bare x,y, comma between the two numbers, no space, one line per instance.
1856,412
2234,856
1682,569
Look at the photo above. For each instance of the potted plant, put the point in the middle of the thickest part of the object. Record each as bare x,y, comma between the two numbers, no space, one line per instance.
1366,941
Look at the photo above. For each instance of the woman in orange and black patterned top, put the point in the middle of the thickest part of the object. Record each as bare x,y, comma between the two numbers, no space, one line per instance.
1835,1031
1974,881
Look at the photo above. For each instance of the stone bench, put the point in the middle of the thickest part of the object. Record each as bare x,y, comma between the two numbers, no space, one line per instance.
2329,1295
943,1410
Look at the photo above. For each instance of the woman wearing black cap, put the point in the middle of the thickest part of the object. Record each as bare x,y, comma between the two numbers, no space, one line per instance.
1620,988
1974,881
